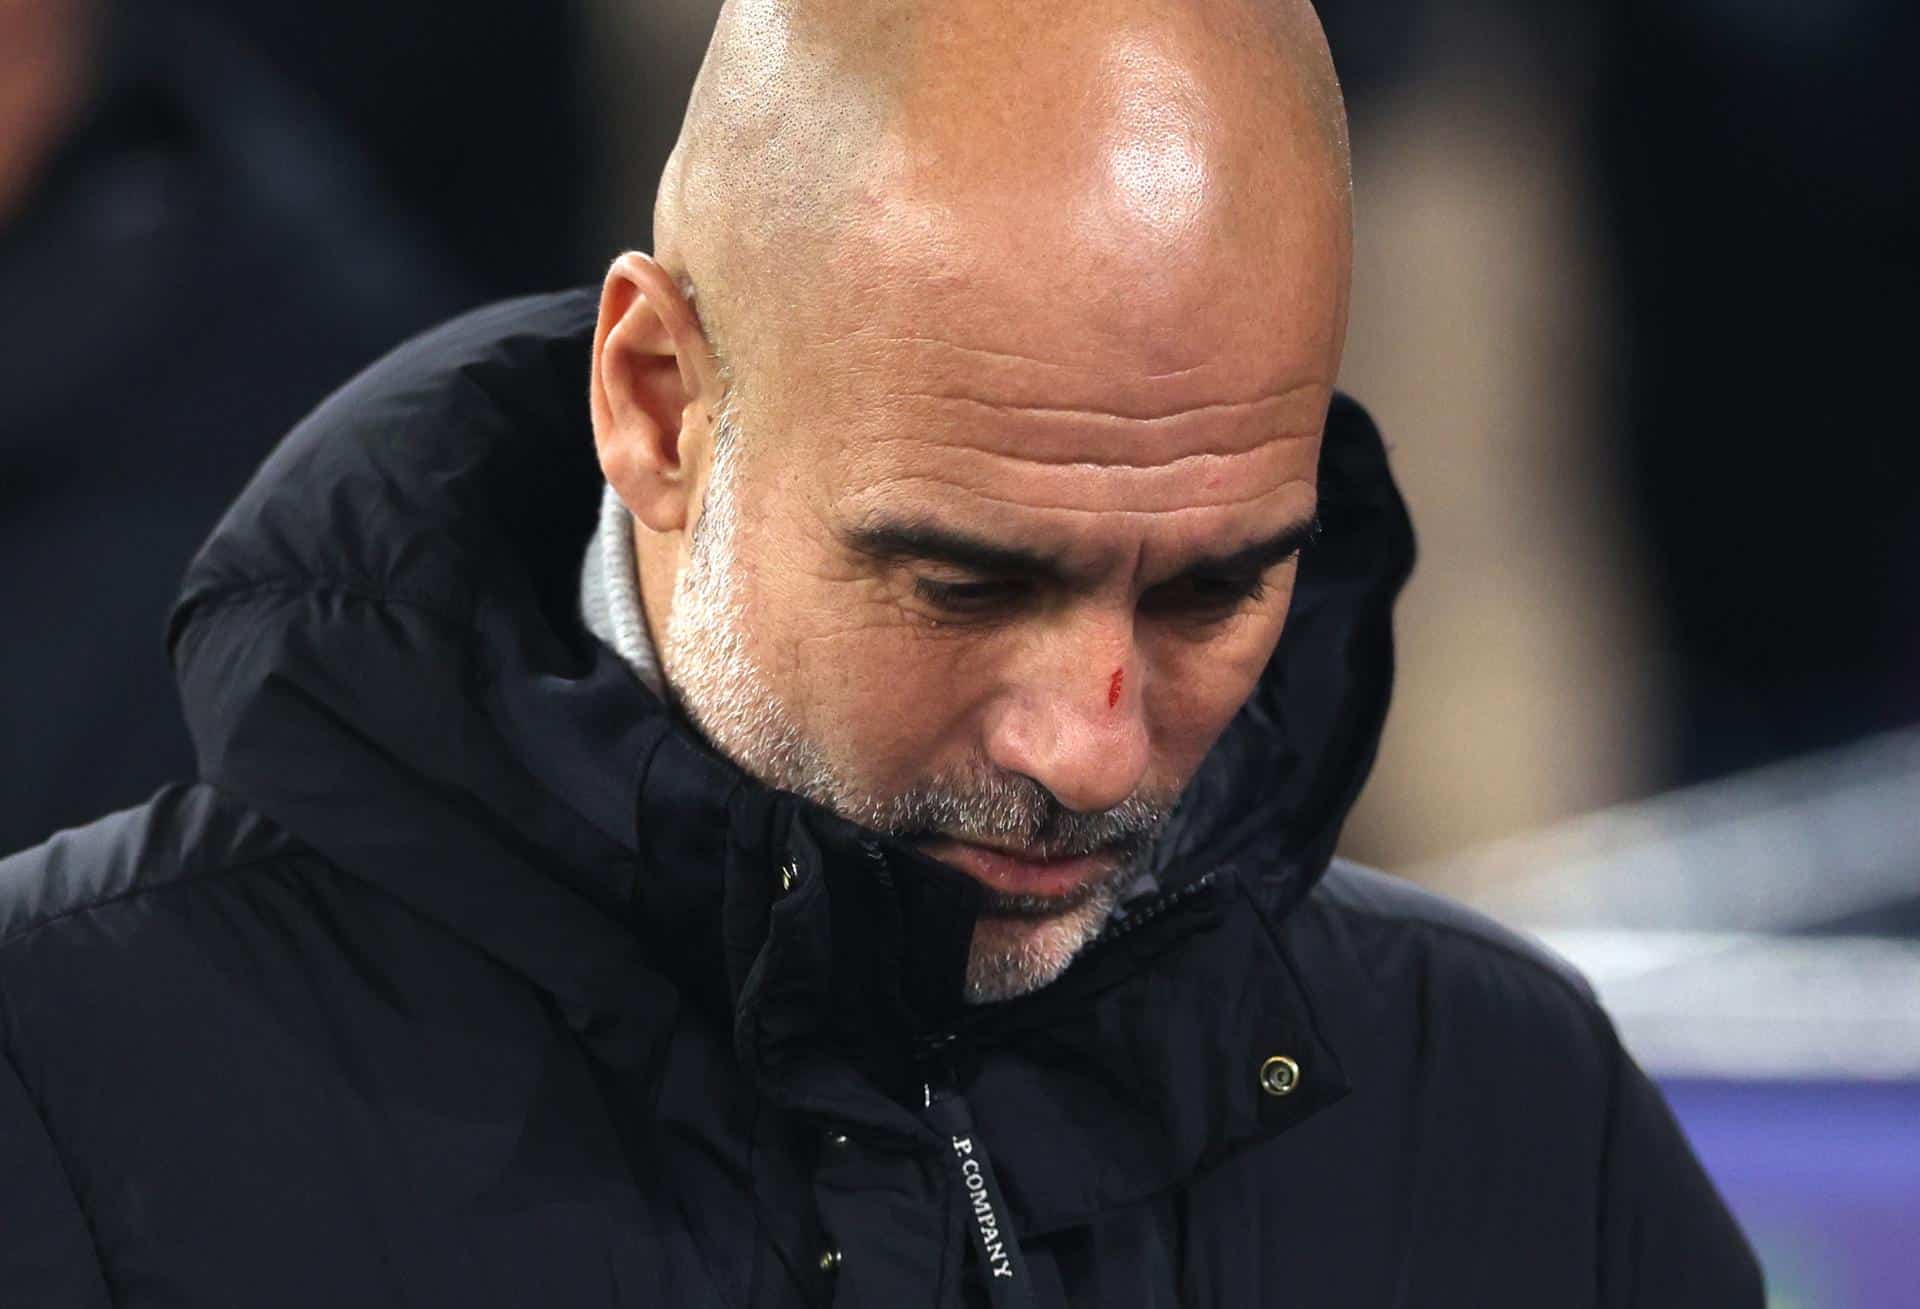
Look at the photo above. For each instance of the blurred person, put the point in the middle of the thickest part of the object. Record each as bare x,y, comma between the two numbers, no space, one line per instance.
1764,191
186,265
825,810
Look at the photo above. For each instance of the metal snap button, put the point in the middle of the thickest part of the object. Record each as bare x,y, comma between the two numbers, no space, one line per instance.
829,1260
1279,1076
838,1140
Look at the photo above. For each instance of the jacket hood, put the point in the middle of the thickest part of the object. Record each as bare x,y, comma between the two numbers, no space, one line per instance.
379,648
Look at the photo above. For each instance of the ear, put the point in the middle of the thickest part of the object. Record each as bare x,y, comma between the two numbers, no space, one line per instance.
654,390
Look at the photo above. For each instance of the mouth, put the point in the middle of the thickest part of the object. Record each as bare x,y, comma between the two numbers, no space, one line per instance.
1024,884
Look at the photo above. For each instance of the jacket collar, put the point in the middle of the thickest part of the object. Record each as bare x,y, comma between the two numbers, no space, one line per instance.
379,648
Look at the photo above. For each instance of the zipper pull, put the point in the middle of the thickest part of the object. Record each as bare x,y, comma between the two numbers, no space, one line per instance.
1002,1268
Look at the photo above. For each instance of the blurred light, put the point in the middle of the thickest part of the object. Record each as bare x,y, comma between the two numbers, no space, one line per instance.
1787,848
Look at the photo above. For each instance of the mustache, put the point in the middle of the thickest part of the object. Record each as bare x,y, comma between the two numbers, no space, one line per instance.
1010,810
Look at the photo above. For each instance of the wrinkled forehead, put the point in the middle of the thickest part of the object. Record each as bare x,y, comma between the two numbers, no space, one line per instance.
1009,399
990,327
1066,400
1075,301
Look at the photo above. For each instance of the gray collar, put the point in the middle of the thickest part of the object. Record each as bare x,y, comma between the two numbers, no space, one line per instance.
610,594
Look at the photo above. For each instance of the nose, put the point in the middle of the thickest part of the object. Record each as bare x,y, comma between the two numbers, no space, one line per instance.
1073,721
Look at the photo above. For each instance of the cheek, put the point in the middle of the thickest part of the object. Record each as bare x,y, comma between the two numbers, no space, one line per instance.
860,676
1196,688
894,709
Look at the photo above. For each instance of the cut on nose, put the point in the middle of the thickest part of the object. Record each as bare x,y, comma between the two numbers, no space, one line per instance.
1089,750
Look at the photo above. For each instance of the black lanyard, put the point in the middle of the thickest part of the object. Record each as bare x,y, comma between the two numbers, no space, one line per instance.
1002,1268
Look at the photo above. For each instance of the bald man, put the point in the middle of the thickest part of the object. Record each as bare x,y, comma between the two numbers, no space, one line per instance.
809,775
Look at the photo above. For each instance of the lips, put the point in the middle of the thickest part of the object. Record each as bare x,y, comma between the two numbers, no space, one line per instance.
1065,879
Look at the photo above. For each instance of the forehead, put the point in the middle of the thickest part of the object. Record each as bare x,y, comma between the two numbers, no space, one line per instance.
1108,400
1095,469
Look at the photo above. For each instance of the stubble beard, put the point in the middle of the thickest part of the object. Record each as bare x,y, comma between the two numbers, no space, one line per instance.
1020,943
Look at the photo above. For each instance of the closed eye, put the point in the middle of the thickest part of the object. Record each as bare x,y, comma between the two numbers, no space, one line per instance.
1204,598
1214,592
996,579
971,598
1193,598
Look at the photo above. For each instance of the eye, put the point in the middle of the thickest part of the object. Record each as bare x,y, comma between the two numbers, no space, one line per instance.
1205,599
970,598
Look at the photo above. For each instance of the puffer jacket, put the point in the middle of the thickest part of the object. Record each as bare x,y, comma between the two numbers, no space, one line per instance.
466,976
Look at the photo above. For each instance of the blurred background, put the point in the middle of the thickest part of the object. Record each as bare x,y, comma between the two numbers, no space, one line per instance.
1634,304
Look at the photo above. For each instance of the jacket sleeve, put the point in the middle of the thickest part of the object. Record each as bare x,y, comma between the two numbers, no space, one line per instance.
47,1257
1666,1236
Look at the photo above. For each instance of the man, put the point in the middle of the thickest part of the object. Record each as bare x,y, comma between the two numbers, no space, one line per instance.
919,894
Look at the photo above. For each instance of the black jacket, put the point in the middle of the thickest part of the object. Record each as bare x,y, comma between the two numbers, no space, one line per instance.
466,977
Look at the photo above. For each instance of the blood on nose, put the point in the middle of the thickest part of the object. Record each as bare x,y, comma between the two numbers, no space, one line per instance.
1113,686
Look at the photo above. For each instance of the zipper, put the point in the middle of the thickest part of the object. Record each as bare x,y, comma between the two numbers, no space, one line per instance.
931,1052
1157,907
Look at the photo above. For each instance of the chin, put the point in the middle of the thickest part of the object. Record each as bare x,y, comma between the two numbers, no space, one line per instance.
1014,956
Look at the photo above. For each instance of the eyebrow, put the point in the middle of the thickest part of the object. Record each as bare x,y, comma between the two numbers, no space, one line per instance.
925,541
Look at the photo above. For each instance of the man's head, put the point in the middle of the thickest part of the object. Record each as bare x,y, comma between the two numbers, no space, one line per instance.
1030,317
47,52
